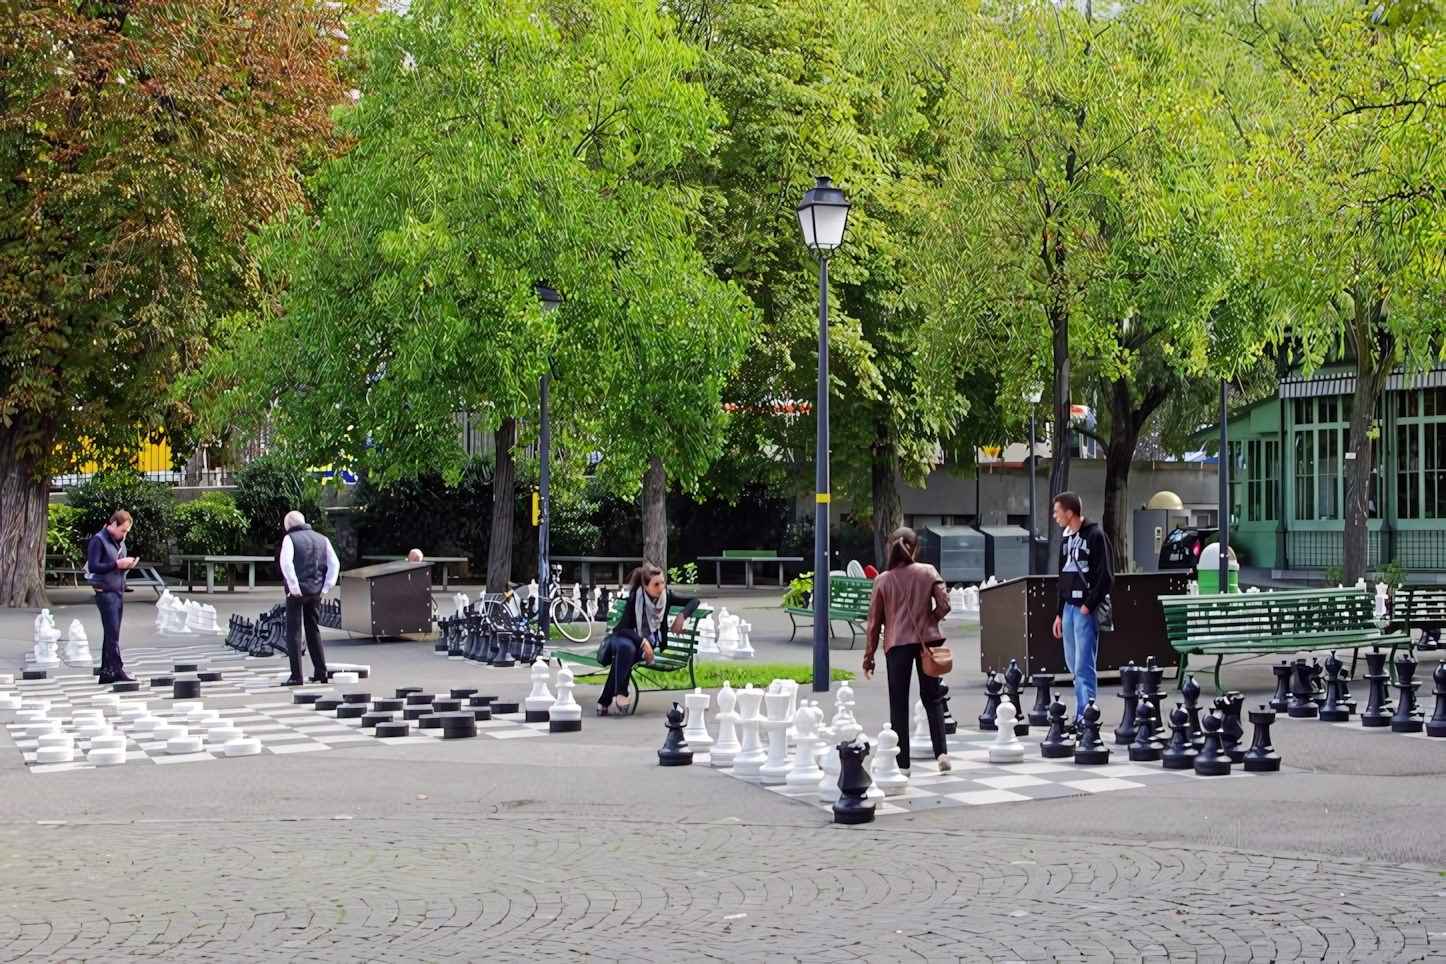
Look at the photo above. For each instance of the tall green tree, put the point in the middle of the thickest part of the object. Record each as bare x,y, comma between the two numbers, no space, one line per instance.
139,142
496,144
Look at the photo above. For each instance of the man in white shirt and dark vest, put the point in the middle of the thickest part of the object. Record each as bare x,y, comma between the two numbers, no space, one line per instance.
309,568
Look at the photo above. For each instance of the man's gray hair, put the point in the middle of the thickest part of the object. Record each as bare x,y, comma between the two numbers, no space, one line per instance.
294,520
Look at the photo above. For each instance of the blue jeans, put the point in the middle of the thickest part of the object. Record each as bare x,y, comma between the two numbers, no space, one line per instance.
111,606
1081,646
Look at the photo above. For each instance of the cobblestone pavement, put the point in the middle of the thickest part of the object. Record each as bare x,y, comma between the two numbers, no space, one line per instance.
516,885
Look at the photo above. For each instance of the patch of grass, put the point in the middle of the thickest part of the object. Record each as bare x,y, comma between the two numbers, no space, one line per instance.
712,675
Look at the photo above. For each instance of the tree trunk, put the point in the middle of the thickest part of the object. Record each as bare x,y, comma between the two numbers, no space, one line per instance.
888,512
1119,455
655,513
24,494
1375,358
1059,445
504,497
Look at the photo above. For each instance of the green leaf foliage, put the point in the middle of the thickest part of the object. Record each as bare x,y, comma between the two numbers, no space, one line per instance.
151,504
211,525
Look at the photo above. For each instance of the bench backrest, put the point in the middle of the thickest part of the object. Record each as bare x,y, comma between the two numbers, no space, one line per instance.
1419,607
850,592
746,553
1291,612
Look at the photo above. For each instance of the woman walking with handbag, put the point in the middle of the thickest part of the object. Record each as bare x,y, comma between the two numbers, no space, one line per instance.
908,602
641,631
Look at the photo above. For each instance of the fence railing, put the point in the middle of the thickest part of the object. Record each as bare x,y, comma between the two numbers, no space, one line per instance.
1417,549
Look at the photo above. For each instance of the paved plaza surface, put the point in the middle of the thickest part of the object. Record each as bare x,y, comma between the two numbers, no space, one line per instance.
578,847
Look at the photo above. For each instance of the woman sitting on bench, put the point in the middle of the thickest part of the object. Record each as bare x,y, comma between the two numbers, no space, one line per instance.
640,631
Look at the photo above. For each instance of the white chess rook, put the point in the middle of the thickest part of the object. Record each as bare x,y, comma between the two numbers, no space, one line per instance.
1006,747
776,725
696,729
727,748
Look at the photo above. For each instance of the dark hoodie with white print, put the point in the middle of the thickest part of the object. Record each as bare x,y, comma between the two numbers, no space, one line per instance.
1085,571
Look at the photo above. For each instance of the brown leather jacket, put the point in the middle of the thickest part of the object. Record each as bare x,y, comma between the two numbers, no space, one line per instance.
908,603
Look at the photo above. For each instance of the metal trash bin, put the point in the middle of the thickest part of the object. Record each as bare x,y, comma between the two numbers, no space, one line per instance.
956,551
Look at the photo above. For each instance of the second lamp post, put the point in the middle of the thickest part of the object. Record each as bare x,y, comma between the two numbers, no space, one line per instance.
551,301
822,214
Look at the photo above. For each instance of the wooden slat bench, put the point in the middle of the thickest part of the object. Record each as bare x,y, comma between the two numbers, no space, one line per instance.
848,600
1288,621
672,666
1423,609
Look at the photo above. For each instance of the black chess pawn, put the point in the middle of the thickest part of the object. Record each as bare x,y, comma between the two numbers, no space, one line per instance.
1283,673
1317,683
1333,710
1130,693
950,726
1039,716
1261,757
1232,731
675,751
1091,750
1013,677
1145,748
1436,726
1190,690
992,688
1211,761
1406,720
1301,706
1057,744
853,805
1377,711
1151,678
1179,753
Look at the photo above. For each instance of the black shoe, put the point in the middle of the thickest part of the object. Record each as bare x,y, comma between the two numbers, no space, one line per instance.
292,682
106,678
318,679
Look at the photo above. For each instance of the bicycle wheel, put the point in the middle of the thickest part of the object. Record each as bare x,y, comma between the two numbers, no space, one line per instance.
564,616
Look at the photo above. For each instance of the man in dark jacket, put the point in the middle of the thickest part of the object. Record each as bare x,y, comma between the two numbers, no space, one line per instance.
1085,577
309,568
105,565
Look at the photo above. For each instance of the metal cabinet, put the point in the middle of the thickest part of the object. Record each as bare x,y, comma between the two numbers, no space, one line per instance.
956,551
387,599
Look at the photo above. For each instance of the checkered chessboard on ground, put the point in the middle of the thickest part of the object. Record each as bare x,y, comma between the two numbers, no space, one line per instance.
241,676
974,781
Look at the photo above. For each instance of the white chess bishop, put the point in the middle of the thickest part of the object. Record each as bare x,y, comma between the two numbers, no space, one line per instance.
727,747
1006,747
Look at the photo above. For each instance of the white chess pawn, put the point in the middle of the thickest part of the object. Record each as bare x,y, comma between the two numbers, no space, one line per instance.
707,635
921,744
564,716
56,747
1006,747
727,748
887,775
776,725
806,773
751,756
696,729
107,751
727,632
243,746
843,703
540,700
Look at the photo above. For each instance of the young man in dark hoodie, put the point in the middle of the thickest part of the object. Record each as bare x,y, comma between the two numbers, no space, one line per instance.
1085,576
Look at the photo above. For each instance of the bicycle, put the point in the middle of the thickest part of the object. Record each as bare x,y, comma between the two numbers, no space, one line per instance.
571,617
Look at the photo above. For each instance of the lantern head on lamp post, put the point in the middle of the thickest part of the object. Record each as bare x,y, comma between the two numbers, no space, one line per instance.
823,214
551,301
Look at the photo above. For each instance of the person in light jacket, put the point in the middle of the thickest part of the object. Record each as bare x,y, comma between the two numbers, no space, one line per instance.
909,600
309,568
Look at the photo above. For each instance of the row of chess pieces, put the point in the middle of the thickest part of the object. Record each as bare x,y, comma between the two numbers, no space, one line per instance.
103,727
185,617
788,723
1322,691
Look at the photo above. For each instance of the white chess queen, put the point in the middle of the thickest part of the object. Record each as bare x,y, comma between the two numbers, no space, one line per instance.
641,632
909,600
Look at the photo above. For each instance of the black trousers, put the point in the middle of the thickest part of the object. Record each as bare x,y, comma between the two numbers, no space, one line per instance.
305,609
112,607
620,674
901,661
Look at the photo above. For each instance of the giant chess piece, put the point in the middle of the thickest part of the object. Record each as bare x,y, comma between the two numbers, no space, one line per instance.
675,751
1301,706
540,700
1179,753
1407,719
1130,693
1436,726
1377,711
843,708
1190,691
1232,731
1039,716
751,755
828,762
1091,750
775,770
77,646
1006,747
1151,678
1261,757
1334,710
853,804
1013,678
696,731
1284,673
921,744
1057,743
806,772
1211,761
950,726
727,747
1317,682
564,716
886,773
1145,748
993,687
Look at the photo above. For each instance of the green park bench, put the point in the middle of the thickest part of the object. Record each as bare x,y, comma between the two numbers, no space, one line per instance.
1288,621
672,666
1419,608
848,600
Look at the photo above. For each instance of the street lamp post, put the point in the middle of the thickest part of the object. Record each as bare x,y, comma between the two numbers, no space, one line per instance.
822,214
551,301
1032,396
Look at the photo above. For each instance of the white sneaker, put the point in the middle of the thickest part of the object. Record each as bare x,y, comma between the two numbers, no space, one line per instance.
944,765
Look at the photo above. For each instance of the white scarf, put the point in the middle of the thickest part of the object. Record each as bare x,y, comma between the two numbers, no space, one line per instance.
649,612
